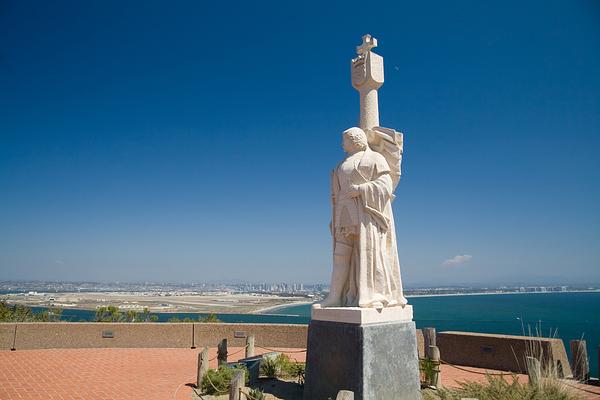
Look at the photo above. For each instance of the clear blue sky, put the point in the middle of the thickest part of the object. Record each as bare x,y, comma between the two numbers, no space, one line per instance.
192,141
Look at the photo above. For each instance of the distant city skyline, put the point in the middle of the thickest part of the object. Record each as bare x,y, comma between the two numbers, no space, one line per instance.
146,141
152,285
19,288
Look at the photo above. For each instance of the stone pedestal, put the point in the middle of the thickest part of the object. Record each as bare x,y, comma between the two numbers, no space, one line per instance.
375,356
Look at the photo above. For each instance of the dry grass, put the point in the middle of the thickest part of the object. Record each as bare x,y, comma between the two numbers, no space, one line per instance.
497,388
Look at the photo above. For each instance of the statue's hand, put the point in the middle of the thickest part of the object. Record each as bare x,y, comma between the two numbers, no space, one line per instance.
352,192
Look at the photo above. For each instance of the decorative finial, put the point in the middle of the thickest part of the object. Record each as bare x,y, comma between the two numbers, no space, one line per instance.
368,43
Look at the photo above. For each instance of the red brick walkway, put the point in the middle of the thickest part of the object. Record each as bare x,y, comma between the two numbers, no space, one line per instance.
452,375
100,374
96,373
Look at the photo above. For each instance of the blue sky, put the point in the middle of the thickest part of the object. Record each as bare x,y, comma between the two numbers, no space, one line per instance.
192,141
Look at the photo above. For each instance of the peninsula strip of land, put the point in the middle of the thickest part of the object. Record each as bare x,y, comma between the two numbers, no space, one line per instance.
213,302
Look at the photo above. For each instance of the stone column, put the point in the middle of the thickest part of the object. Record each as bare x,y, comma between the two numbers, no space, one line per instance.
367,78
369,109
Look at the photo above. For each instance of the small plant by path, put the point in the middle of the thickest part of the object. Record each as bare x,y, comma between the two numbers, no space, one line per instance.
218,381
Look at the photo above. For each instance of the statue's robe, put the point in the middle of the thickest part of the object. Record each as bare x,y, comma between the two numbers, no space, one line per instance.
374,269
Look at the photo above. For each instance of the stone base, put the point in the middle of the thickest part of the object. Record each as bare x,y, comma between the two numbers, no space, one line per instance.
358,315
376,361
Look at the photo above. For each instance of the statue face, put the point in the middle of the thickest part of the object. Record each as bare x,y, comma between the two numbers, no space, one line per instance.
347,144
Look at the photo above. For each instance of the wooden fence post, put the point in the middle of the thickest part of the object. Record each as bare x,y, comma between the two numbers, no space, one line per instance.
428,340
345,395
222,352
250,346
579,360
202,366
237,383
436,379
534,370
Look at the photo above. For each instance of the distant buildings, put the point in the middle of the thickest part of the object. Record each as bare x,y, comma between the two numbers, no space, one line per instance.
316,291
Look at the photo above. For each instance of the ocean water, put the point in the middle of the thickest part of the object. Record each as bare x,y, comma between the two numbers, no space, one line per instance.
562,315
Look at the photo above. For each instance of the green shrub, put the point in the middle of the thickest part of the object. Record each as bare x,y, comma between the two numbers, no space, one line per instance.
108,314
284,367
221,379
268,367
297,371
289,368
209,318
428,369
113,314
257,394
176,319
145,316
19,313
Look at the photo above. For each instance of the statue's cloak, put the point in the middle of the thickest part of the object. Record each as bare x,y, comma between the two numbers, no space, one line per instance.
374,267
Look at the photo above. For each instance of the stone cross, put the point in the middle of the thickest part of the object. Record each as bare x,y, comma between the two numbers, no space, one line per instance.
368,43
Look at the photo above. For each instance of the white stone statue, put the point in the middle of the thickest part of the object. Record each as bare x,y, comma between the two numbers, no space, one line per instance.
366,270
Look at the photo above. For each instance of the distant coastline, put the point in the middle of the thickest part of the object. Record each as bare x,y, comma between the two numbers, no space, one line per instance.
223,303
500,293
156,302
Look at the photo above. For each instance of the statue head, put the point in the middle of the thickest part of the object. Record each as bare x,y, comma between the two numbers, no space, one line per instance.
354,139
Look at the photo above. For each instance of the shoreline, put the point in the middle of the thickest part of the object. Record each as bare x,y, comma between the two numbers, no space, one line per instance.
274,308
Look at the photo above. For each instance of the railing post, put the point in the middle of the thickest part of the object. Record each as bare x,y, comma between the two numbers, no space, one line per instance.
534,370
428,340
436,378
13,348
237,383
250,346
345,395
202,366
222,352
579,360
193,336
